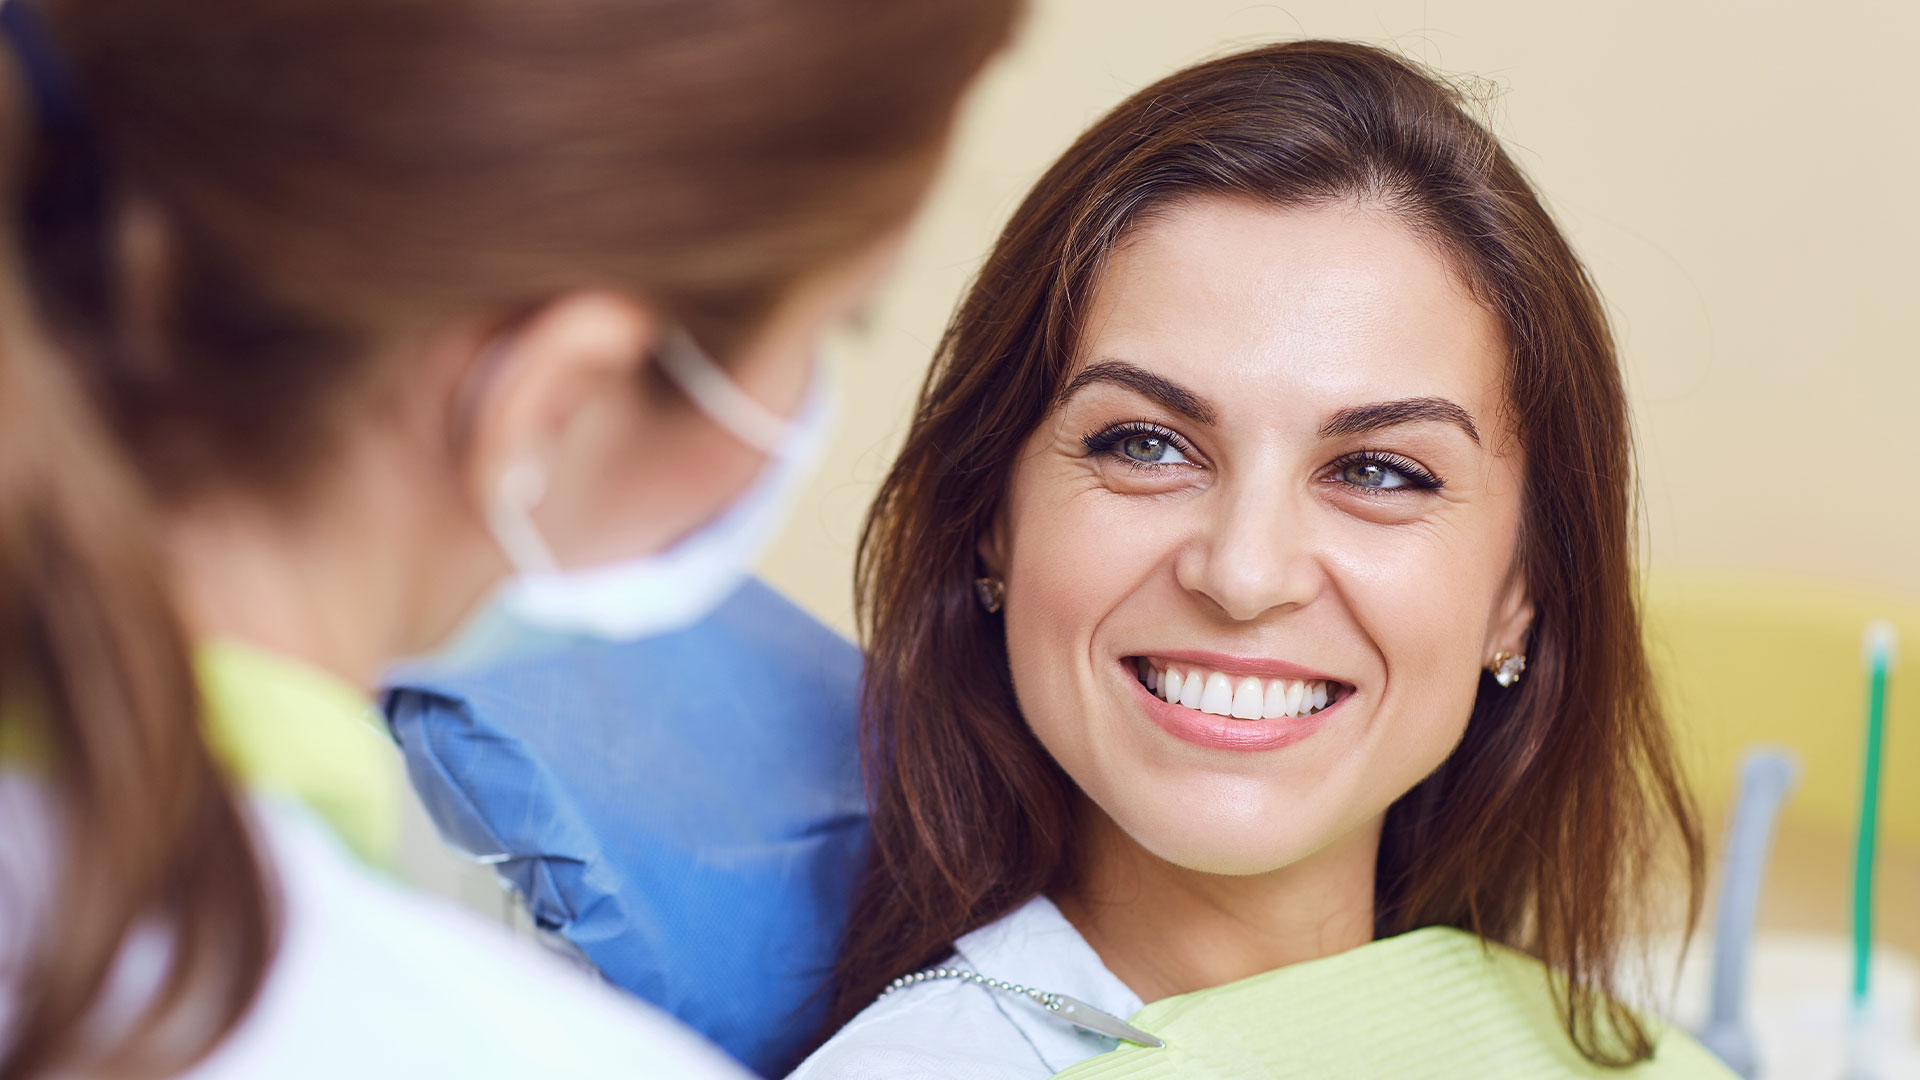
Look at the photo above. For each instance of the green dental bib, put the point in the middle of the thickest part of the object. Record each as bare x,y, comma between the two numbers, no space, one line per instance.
284,729
287,729
1432,1003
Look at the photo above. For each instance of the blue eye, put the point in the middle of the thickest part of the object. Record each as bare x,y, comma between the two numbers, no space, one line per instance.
1367,474
1139,445
1151,450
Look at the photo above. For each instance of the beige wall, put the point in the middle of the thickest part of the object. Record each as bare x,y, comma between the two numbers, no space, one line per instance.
1738,177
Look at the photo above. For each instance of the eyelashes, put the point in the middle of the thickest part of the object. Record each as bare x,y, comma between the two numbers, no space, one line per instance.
1370,471
1152,448
1139,444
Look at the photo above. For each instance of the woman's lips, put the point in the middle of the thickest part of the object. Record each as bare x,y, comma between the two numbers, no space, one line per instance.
1243,732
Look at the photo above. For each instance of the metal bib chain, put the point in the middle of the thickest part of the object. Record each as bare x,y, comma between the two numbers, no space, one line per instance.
1070,1009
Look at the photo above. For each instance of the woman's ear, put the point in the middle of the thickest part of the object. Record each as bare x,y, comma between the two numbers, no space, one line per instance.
1512,617
526,389
991,547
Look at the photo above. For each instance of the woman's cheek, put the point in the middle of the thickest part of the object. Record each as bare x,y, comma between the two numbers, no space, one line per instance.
1426,611
1074,556
1078,551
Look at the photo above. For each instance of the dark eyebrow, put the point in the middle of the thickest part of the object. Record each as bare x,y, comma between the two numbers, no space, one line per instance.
1361,419
1146,384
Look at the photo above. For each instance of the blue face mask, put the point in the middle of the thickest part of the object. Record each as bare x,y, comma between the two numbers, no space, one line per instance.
544,606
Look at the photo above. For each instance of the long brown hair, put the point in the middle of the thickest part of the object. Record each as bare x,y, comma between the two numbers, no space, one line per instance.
206,268
1564,792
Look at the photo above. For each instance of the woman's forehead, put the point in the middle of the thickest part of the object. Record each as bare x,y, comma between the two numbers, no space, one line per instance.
1239,299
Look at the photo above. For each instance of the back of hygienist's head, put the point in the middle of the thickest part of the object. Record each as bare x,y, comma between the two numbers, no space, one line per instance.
340,268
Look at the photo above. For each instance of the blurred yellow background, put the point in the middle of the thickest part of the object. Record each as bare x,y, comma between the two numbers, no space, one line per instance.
1739,179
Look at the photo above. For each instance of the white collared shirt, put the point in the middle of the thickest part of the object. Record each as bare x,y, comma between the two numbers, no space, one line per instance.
963,1031
370,981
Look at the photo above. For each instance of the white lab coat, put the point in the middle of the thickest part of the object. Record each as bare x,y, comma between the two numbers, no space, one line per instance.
963,1031
373,981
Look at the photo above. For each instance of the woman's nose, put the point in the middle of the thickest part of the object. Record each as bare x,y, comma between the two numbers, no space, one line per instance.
1253,552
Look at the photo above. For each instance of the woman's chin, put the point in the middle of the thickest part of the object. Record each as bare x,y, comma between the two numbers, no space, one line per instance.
1232,841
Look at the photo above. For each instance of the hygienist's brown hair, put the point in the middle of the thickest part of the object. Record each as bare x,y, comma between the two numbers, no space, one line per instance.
201,281
1546,823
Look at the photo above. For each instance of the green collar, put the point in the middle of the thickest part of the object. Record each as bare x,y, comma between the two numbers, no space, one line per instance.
1435,1002
285,728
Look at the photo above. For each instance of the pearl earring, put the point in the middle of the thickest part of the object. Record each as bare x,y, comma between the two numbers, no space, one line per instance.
991,591
1506,667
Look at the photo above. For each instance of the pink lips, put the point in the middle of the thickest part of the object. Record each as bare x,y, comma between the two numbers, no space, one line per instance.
1226,732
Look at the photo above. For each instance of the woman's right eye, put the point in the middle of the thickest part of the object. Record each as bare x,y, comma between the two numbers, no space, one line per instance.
1143,446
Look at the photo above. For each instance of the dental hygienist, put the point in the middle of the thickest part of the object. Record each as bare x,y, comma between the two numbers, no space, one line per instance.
322,328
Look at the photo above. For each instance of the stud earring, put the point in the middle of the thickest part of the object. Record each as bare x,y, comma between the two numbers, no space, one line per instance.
1506,667
991,591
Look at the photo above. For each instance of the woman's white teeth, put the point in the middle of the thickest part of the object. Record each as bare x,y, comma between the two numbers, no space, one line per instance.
1190,689
1217,698
1245,698
1274,703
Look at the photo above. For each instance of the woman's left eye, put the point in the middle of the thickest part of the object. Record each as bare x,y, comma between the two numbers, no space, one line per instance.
1151,450
1373,473
1367,474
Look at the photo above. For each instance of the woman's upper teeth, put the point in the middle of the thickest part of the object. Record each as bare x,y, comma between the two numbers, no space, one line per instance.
1243,697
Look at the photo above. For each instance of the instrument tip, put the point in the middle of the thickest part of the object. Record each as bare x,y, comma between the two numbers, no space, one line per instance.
1881,642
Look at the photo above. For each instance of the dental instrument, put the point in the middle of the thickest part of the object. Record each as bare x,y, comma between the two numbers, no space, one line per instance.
1881,640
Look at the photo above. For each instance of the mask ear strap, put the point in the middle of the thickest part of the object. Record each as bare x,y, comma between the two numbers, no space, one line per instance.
720,397
510,519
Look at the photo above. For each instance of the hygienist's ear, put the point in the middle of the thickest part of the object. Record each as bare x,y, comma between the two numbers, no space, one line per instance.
530,386
1512,616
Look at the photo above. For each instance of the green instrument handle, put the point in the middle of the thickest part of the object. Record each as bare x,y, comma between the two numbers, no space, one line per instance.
1879,658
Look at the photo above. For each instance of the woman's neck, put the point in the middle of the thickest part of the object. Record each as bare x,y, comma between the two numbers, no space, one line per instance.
1165,930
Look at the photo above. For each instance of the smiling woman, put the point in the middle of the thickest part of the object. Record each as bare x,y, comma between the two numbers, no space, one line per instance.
1282,430
1301,523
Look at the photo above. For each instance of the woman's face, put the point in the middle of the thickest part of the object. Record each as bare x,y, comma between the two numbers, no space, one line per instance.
1283,476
